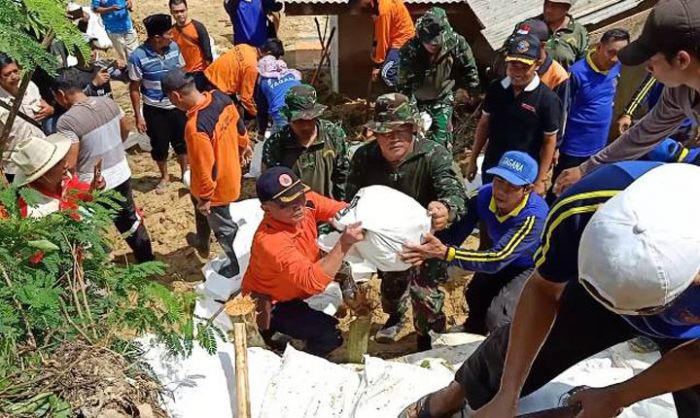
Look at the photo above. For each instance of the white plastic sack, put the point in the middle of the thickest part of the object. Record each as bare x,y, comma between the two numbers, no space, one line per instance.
96,30
307,386
391,218
474,185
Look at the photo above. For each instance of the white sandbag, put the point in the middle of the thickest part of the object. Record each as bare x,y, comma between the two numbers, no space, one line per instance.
388,387
329,301
474,185
307,386
391,218
96,30
204,385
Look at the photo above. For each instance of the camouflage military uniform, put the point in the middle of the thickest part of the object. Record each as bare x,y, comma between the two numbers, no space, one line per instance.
323,166
426,174
568,44
432,83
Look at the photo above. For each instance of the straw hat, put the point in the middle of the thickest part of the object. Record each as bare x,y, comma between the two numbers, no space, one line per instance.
35,156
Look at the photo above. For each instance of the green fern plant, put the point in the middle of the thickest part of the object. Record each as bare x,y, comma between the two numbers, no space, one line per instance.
58,284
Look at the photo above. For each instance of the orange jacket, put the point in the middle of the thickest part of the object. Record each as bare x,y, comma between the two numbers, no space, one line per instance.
235,72
284,260
554,76
214,134
393,27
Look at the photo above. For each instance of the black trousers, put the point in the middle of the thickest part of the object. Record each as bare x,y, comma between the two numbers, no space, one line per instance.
128,221
481,291
296,319
583,328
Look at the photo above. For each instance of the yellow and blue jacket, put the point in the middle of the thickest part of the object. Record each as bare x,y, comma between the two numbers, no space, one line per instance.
515,235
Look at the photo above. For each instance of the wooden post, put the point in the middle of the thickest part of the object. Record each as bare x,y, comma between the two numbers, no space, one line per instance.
241,352
358,339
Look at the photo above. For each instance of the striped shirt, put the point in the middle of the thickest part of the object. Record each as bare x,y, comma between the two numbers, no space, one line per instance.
94,125
150,67
516,235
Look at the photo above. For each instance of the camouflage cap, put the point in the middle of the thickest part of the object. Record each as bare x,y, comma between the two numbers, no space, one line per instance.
391,111
432,25
300,103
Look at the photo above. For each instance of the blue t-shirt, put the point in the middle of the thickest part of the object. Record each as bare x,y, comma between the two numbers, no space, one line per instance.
557,258
269,98
591,108
516,235
249,21
115,22
150,68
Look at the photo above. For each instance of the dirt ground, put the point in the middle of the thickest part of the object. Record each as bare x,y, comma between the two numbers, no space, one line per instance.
169,217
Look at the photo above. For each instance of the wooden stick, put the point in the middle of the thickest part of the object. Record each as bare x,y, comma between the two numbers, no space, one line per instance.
358,338
21,115
241,352
325,54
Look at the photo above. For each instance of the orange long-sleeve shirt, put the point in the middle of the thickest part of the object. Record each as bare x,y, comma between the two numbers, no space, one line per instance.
214,134
285,259
393,27
235,72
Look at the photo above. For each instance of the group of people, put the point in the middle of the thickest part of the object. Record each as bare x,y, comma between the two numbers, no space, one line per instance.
607,253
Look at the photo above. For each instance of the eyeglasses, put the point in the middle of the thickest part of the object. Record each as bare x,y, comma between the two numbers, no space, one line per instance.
653,310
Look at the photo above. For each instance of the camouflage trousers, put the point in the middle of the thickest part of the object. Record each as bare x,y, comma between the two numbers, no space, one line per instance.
441,114
420,285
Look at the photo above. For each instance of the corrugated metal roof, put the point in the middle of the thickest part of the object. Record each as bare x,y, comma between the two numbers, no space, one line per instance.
499,17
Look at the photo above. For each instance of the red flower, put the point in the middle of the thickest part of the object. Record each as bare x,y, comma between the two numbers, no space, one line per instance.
74,215
37,257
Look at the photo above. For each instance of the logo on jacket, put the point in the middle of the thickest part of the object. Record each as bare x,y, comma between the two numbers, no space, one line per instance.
528,107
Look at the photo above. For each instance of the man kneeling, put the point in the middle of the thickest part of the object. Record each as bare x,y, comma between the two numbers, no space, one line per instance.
285,265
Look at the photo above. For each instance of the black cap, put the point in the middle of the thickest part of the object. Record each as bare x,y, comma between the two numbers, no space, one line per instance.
175,79
672,26
157,24
524,48
535,27
279,183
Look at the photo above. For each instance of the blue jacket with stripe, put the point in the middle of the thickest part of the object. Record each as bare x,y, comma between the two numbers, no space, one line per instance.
516,235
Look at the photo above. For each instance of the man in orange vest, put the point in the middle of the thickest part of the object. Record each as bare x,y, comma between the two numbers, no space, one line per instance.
235,73
393,27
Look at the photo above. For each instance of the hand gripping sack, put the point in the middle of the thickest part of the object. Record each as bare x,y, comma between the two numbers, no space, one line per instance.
390,219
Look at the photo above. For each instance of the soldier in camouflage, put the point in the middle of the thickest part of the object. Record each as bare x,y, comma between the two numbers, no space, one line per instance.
569,39
434,66
402,159
314,148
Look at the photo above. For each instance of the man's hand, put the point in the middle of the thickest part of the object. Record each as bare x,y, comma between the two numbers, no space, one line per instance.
120,64
141,124
471,170
623,123
597,403
204,207
353,233
246,156
500,406
101,78
375,74
539,187
431,247
439,214
45,110
567,178
98,183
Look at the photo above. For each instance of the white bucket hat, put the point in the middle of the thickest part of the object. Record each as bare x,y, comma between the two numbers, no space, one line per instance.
35,156
641,249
